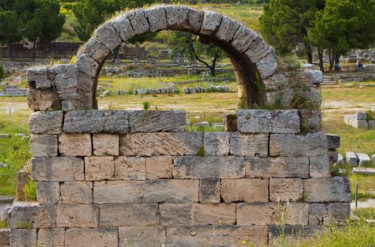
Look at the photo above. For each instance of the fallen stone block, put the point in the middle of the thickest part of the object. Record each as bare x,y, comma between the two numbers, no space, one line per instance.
340,160
364,171
351,158
363,159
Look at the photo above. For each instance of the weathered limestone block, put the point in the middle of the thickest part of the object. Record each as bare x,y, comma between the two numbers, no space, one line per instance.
249,144
106,144
243,38
360,124
198,214
75,145
23,237
4,237
108,36
51,237
363,159
281,98
211,22
267,213
286,189
258,49
265,121
48,192
193,167
211,236
96,121
49,122
155,144
99,168
244,190
325,214
282,167
83,237
276,81
216,143
159,167
38,75
123,27
361,115
227,29
156,18
87,64
57,169
76,215
43,99
130,168
336,189
320,167
43,145
312,144
129,215
176,16
289,233
209,190
311,120
66,81
76,192
26,215
96,49
315,77
142,236
267,66
338,212
351,158
157,121
138,21
149,191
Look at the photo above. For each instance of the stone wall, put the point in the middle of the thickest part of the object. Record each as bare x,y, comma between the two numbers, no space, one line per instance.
114,178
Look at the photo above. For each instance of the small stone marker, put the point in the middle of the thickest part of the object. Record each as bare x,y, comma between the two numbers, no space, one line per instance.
351,158
363,159
340,160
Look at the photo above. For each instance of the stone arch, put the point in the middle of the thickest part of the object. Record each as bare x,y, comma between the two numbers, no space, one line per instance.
254,62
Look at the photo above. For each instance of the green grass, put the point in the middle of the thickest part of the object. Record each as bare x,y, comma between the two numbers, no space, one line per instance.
4,224
366,185
367,213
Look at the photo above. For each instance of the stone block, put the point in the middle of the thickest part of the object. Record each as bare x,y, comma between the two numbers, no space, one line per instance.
258,49
281,98
320,167
4,237
216,143
216,235
96,121
108,36
249,144
197,214
27,215
243,38
265,121
149,191
326,214
83,237
159,167
360,124
211,22
176,16
361,115
351,158
130,168
193,21
313,76
193,167
288,234
336,189
155,144
244,190
267,66
57,169
39,76
138,21
156,18
371,124
43,145
142,236
286,189
49,122
312,144
51,237
227,29
48,192
75,145
338,212
23,237
87,64
209,190
106,144
157,121
340,160
76,192
363,159
96,49
281,167
333,141
129,215
267,213
123,27
99,168
77,215
311,120
43,99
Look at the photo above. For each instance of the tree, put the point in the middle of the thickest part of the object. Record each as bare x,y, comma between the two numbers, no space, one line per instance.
9,29
343,25
285,23
45,24
186,44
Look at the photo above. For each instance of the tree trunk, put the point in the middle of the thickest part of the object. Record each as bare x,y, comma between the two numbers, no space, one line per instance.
320,54
34,50
308,52
116,53
337,62
10,50
331,59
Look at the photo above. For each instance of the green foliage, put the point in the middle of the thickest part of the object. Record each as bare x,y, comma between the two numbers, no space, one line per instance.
30,191
4,224
370,115
201,152
146,105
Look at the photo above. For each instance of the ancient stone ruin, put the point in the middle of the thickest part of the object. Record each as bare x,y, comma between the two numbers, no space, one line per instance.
119,178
